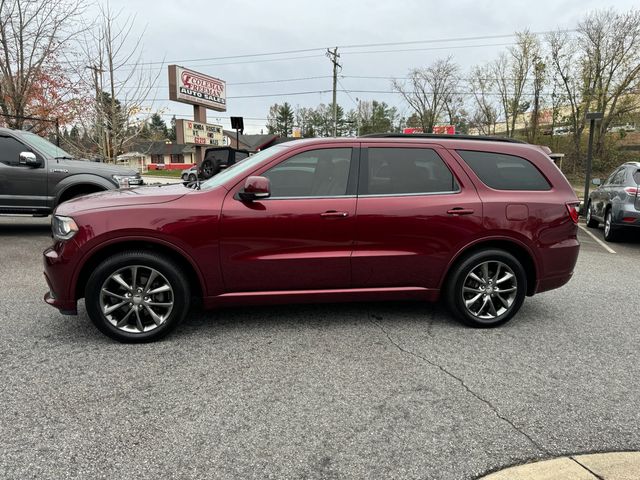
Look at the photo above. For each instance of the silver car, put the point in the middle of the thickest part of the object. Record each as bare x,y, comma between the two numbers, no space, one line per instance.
616,202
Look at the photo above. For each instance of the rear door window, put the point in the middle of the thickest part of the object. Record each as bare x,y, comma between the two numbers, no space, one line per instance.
405,171
505,172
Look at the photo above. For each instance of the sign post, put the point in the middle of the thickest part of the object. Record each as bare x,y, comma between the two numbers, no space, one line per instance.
592,117
199,90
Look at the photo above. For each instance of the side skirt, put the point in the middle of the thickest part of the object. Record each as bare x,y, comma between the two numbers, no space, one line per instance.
322,296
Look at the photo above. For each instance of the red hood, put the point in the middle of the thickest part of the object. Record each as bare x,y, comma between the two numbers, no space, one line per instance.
123,197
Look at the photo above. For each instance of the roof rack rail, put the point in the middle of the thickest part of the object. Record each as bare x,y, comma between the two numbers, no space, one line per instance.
483,138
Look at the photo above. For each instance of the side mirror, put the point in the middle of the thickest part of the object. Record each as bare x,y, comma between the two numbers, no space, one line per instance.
596,181
29,159
255,188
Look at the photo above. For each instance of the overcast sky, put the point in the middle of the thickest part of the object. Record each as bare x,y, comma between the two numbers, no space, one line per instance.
180,32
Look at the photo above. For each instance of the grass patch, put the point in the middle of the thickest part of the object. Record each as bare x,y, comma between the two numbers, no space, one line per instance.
164,173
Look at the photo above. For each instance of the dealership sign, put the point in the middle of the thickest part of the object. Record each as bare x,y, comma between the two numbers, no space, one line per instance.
196,88
196,133
444,129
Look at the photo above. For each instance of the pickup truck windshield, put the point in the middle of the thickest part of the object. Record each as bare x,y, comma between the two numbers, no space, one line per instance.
240,168
43,145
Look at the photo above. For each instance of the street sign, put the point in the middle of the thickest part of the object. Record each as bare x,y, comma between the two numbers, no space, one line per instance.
196,133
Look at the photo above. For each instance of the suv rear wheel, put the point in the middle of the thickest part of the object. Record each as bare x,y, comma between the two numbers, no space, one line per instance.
487,288
611,233
137,296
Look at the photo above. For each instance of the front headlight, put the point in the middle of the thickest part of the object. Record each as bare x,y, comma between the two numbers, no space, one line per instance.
63,228
126,181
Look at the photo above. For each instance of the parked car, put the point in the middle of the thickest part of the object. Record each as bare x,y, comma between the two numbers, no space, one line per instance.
190,174
219,158
622,128
616,202
562,131
36,175
480,222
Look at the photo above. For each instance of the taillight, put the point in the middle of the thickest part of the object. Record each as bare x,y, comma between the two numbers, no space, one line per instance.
573,212
632,190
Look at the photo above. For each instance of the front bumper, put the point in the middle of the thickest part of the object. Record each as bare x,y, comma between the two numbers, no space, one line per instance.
58,272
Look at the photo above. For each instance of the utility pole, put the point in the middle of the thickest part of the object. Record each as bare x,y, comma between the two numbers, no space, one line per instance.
334,56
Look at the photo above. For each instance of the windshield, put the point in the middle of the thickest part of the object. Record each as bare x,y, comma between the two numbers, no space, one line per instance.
240,168
45,146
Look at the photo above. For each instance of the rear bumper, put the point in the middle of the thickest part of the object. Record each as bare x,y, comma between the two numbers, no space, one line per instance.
626,216
558,262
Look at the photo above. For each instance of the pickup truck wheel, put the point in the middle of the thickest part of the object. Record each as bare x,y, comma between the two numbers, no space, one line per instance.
137,296
487,288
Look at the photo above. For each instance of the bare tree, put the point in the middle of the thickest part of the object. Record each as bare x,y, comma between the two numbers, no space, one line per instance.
123,86
511,73
34,36
485,113
428,90
598,68
538,82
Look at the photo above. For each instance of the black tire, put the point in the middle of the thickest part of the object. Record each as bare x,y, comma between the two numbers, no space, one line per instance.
591,222
184,177
170,273
192,177
611,233
209,167
455,292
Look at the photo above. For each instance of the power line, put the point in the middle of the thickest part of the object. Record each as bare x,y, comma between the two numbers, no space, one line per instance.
342,47
449,47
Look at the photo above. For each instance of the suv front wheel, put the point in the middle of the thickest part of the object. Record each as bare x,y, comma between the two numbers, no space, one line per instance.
137,296
487,288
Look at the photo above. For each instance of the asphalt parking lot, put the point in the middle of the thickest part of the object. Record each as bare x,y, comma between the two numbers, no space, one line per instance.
390,390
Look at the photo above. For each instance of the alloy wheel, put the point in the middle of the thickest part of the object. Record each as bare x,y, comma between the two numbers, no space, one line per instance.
136,299
607,224
489,290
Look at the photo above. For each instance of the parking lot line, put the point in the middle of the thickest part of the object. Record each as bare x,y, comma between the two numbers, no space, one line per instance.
600,242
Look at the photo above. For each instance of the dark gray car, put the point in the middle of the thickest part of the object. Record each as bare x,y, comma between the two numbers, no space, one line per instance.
616,202
36,175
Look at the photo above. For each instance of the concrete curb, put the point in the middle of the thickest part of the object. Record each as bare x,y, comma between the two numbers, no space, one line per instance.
598,466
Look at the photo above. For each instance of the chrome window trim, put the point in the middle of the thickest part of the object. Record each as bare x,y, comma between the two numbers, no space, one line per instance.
421,194
309,197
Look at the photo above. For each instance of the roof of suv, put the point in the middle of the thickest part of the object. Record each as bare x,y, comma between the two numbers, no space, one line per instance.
501,144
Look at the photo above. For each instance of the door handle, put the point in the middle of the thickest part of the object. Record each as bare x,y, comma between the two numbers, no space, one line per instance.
460,211
334,214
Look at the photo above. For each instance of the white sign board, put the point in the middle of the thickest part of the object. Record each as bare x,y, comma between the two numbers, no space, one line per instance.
196,133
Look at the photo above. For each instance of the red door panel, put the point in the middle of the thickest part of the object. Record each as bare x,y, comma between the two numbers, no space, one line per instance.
408,240
292,244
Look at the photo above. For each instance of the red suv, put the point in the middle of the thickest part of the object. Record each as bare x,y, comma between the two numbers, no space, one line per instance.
481,222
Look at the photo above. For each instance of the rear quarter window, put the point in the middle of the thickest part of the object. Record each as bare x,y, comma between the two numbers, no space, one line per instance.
505,172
